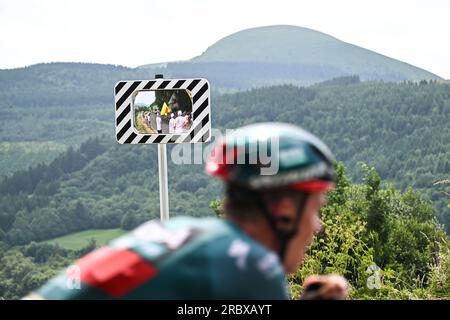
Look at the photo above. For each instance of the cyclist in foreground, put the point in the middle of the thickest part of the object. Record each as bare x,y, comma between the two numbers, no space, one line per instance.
269,221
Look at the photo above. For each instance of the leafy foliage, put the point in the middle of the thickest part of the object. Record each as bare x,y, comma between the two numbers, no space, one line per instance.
23,270
402,246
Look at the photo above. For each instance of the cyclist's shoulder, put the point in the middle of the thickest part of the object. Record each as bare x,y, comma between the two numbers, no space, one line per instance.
175,233
224,241
220,242
242,254
234,264
241,267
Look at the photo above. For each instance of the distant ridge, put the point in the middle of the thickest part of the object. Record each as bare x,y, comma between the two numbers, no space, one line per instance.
291,54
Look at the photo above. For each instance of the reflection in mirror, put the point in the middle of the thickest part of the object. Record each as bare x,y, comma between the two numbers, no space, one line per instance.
163,111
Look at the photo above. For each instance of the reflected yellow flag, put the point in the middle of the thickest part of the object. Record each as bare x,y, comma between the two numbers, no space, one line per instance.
165,110
448,205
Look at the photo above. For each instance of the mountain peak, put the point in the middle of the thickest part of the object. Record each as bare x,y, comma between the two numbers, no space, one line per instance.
287,44
278,43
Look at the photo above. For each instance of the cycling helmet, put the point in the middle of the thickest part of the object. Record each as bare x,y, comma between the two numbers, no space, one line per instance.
304,162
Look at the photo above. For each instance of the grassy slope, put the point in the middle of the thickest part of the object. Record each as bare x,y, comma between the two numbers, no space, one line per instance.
80,239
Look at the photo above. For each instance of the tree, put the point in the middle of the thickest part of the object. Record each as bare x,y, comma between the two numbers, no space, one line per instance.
129,221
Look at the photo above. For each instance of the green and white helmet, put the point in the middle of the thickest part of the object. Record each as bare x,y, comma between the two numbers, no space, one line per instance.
298,159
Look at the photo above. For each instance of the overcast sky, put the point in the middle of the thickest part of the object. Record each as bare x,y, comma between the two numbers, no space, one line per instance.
136,32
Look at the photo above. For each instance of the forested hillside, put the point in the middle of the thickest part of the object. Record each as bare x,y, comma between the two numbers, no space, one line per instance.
103,185
46,108
400,129
62,84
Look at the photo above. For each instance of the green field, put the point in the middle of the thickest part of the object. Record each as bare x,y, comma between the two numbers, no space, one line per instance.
80,239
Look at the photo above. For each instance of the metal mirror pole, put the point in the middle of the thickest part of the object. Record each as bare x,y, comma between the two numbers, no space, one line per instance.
163,184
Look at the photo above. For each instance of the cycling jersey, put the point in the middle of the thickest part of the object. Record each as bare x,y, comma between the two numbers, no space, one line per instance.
184,258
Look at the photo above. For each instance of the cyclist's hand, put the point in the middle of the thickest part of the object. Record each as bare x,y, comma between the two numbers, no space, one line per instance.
332,287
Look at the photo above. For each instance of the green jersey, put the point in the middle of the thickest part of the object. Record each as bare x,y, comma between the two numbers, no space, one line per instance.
184,258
